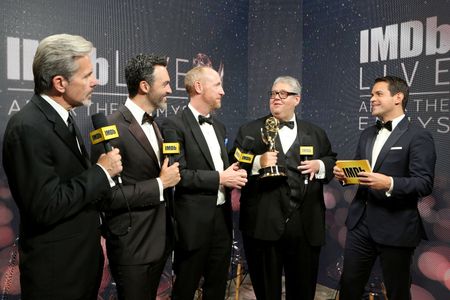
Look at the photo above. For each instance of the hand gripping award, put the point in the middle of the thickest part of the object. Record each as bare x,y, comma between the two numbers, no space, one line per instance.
268,135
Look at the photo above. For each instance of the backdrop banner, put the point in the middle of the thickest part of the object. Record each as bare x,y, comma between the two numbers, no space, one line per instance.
336,48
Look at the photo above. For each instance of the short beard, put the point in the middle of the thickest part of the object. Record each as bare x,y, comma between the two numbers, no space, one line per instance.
87,102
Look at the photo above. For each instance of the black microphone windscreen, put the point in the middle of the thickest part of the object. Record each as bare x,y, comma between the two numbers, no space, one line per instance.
170,136
306,141
248,142
99,120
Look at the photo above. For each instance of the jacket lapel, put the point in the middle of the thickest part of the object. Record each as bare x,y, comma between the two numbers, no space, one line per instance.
393,138
223,150
369,144
60,128
189,119
136,130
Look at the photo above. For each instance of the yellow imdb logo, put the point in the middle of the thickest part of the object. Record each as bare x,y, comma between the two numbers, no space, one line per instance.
104,134
171,148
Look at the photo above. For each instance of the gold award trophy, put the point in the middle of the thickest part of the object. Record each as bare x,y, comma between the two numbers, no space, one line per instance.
268,135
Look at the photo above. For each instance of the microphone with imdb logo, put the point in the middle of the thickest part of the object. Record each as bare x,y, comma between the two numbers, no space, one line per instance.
103,133
243,155
171,146
306,152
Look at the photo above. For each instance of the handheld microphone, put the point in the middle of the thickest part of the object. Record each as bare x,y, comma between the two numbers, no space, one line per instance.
306,152
244,156
171,146
103,133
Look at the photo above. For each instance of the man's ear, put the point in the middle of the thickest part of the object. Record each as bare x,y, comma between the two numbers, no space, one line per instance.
398,98
298,99
60,83
144,87
198,87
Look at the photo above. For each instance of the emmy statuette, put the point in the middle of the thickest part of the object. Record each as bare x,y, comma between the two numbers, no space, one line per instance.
268,135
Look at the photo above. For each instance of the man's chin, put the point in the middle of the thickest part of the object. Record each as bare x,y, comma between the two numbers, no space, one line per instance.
162,106
87,102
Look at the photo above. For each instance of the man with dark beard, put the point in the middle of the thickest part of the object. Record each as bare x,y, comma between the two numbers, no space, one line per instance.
137,237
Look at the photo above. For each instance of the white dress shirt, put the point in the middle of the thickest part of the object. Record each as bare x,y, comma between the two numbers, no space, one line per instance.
214,148
138,114
380,140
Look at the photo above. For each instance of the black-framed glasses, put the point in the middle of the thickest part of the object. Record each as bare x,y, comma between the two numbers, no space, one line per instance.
282,94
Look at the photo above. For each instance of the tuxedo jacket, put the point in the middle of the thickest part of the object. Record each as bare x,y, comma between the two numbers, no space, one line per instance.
409,157
196,193
56,190
265,208
145,241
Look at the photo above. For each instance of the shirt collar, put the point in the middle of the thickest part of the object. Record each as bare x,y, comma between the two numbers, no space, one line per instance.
195,112
396,121
62,112
136,111
293,119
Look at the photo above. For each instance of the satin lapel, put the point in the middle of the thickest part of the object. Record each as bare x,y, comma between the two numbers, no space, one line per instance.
369,145
198,136
395,135
301,133
59,127
136,130
223,150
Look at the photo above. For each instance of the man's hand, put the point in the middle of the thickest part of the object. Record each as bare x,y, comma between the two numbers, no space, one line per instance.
169,176
338,173
310,167
375,181
233,177
111,162
268,159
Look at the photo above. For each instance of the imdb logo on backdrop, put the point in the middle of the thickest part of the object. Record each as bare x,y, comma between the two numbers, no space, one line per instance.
418,51
108,95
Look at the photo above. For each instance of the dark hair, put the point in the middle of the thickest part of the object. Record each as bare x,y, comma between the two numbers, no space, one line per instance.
141,68
396,85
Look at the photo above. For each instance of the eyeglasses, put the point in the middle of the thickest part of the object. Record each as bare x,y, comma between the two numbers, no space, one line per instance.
282,94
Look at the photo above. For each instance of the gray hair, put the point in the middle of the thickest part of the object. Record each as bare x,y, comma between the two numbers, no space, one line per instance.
56,55
291,81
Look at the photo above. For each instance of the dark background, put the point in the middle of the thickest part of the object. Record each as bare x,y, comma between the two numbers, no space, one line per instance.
253,41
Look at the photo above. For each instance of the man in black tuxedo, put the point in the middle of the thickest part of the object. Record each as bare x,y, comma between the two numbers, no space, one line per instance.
283,222
51,179
383,219
138,232
202,198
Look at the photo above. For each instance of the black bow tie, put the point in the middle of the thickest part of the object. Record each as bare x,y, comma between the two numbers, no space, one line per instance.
147,118
380,125
203,119
289,124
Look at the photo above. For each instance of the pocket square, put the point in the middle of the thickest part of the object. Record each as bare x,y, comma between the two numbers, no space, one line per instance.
396,148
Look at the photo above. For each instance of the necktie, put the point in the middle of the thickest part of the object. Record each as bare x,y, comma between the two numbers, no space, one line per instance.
380,125
203,119
289,124
73,128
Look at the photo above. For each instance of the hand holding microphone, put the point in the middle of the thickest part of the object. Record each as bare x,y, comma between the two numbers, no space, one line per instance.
170,172
243,155
307,167
111,160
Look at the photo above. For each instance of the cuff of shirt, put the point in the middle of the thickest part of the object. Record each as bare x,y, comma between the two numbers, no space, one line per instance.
161,189
389,192
256,165
321,174
111,181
